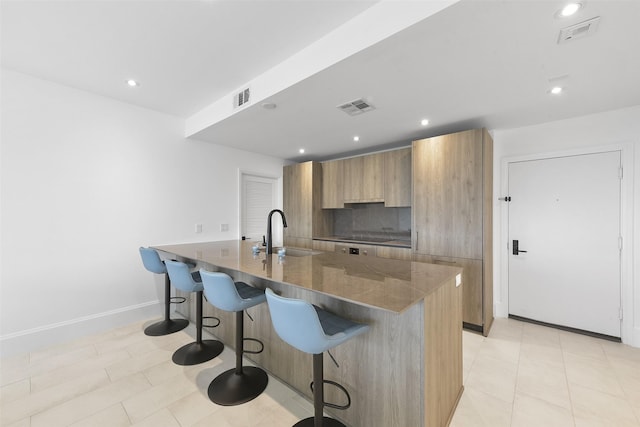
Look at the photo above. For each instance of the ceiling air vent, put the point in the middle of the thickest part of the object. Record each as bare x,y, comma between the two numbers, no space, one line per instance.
356,107
241,98
580,30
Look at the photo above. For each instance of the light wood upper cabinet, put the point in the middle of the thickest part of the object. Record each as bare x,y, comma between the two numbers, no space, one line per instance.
448,195
332,184
363,179
397,178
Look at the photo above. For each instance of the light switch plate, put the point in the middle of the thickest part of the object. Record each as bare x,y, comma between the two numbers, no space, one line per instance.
458,280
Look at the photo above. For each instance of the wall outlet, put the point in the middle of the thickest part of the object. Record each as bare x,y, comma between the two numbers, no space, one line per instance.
198,228
224,227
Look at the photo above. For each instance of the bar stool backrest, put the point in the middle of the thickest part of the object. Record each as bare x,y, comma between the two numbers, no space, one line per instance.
221,291
181,278
297,323
151,261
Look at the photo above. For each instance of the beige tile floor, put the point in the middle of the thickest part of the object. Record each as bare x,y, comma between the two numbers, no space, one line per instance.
521,375
529,375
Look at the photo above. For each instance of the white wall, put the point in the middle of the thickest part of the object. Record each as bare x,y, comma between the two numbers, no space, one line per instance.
86,180
619,129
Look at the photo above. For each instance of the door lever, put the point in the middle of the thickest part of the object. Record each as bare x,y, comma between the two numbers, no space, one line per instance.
516,249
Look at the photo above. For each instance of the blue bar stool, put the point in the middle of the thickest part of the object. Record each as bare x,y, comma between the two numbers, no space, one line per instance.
244,383
200,350
313,330
152,262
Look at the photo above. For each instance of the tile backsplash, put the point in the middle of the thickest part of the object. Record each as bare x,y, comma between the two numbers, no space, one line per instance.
362,220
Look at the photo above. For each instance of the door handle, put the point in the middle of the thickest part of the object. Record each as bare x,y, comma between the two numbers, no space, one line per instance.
516,249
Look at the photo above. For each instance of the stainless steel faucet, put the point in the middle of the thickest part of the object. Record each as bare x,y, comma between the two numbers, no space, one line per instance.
269,239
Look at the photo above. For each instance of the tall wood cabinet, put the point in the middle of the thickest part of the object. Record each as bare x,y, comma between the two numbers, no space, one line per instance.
452,214
302,204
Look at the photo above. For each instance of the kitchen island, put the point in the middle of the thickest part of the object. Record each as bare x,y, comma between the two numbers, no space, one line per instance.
406,370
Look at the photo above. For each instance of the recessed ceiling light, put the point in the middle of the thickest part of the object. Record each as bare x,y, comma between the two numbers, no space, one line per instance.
556,90
132,83
424,122
301,151
570,9
356,138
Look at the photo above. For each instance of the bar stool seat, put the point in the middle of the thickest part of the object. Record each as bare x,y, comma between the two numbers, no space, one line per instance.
201,350
152,262
312,330
244,383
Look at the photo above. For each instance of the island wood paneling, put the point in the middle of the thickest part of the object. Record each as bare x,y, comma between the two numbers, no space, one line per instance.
443,354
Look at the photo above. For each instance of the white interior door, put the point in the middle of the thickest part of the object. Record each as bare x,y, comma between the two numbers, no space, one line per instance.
258,197
565,213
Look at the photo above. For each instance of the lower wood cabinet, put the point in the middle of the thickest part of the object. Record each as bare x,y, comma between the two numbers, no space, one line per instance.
394,253
324,246
472,298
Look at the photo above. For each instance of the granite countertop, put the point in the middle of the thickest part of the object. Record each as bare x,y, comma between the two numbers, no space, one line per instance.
386,284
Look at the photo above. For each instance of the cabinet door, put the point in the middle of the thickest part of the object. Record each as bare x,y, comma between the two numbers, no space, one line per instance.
363,180
297,192
394,253
373,178
472,276
353,175
447,195
323,245
397,178
332,184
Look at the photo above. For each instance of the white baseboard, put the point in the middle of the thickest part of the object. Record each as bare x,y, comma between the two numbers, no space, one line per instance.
58,333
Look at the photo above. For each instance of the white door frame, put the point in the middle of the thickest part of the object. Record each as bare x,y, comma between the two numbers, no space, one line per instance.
279,199
501,287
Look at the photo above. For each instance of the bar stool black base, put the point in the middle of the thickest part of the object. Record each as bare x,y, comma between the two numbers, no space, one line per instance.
197,352
166,327
229,388
326,422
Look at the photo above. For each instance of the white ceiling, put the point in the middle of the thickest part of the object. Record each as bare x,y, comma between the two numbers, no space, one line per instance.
475,63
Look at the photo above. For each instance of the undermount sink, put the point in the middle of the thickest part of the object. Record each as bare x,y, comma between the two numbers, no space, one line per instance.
295,252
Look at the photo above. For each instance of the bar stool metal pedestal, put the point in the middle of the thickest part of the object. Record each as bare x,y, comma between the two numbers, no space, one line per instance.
244,383
152,262
201,350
